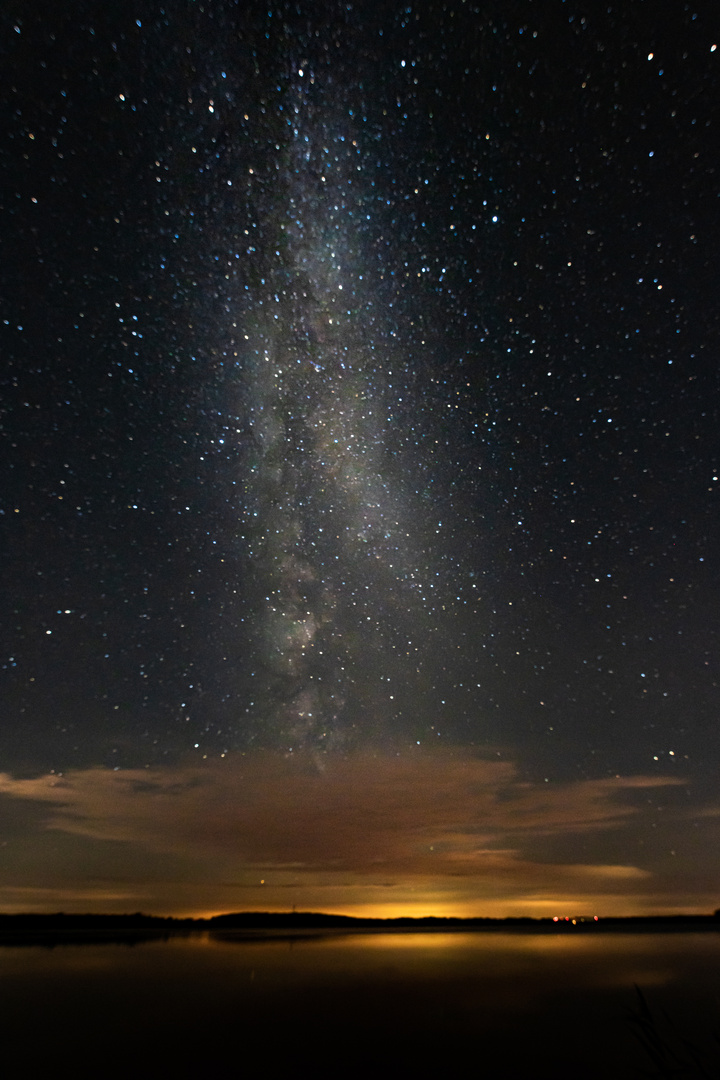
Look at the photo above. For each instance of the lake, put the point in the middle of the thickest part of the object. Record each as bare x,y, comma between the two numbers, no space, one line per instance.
356,1005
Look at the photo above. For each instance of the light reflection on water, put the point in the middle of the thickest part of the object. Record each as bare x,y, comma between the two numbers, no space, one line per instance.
586,959
339,1004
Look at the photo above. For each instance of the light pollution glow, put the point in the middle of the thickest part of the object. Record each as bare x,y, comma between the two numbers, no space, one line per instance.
423,833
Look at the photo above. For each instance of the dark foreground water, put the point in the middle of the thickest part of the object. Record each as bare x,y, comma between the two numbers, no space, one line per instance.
367,1005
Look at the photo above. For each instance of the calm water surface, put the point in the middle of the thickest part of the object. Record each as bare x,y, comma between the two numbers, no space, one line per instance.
364,1005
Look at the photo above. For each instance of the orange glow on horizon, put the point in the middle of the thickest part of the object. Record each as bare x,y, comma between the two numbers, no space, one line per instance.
432,834
587,908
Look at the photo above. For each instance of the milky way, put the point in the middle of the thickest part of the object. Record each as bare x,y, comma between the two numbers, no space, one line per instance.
344,598
357,385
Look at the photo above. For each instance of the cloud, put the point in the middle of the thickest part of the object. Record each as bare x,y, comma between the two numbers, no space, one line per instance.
424,814
612,872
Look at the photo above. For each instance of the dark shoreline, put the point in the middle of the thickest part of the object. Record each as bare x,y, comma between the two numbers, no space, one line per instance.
60,928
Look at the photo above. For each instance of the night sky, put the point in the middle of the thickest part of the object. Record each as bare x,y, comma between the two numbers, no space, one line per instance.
359,450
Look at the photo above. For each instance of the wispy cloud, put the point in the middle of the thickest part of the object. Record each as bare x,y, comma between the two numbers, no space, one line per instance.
425,814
